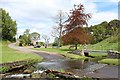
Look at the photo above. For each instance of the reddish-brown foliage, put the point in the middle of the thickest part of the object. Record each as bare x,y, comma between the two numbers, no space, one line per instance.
77,18
77,36
74,32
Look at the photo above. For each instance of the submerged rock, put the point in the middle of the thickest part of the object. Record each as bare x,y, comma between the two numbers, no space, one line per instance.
27,71
38,71
38,75
2,75
52,74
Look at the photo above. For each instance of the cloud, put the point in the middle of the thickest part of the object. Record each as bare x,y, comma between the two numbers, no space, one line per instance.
38,15
102,0
99,17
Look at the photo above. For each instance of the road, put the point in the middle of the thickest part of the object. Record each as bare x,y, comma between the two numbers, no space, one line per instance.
46,55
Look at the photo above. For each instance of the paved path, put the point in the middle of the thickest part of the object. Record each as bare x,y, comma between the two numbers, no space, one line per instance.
46,55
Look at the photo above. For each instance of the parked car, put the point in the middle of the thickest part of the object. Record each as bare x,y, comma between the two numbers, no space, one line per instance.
37,46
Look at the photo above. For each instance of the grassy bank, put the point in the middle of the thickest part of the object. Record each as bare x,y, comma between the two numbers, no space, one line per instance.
98,55
11,55
63,51
18,65
107,44
111,61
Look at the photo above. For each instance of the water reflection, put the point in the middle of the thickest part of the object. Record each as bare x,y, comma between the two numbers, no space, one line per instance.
87,67
65,64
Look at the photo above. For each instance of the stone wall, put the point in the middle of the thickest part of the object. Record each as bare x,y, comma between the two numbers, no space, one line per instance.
113,54
81,52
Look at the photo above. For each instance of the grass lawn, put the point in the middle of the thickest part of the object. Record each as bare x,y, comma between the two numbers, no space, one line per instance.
0,51
111,61
107,44
10,55
98,55
63,51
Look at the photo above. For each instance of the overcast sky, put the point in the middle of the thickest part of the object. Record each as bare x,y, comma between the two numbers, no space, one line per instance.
38,15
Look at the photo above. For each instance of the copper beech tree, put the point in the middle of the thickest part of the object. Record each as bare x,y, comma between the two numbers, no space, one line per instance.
77,36
74,32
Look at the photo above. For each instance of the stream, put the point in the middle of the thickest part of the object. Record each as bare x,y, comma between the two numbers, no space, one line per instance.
81,68
68,65
86,67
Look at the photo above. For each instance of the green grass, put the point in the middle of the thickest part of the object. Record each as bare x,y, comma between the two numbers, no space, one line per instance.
0,51
63,51
98,55
111,61
58,50
11,55
107,44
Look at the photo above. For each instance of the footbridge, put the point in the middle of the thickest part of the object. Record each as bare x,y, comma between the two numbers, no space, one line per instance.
110,53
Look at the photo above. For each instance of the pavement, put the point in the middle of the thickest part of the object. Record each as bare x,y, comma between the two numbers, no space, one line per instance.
44,54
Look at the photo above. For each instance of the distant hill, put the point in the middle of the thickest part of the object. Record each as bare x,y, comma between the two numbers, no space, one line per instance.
110,43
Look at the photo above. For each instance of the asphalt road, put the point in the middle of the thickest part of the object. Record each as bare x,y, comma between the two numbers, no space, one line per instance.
46,55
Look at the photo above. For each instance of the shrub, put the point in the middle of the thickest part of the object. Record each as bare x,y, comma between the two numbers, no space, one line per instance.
55,44
4,69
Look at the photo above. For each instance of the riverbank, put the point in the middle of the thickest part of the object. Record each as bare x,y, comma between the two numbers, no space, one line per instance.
28,56
9,55
64,51
111,61
17,65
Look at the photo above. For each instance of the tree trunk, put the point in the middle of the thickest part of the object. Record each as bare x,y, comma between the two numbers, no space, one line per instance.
75,46
59,43
45,45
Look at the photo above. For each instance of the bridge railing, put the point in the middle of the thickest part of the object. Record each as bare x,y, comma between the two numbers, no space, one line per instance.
98,51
